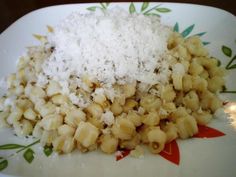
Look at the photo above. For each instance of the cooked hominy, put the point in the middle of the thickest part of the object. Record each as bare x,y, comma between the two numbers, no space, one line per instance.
102,80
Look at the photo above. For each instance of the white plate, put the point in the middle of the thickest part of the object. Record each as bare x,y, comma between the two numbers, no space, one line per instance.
212,157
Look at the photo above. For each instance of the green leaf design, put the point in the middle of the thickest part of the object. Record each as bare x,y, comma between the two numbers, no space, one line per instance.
47,150
229,66
10,146
163,10
3,164
187,31
200,34
153,14
176,27
29,155
103,6
218,62
205,43
223,88
132,8
93,8
144,6
107,3
227,51
228,91
233,66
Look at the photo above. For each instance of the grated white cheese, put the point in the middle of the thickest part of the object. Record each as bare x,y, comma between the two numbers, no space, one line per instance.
112,47
141,110
78,100
108,118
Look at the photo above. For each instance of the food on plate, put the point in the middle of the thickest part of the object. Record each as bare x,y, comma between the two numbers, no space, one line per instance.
112,80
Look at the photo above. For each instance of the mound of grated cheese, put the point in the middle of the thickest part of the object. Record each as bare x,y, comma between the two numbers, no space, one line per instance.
110,46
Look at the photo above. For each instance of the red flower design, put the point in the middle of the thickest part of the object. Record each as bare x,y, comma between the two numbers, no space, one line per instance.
121,154
207,132
171,152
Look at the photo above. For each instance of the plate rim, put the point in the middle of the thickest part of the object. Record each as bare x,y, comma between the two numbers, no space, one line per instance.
76,4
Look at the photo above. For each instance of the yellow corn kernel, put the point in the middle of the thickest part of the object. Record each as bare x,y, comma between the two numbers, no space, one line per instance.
129,105
38,130
216,83
187,83
58,143
187,126
20,75
3,116
123,129
11,80
37,92
151,119
195,69
169,107
59,99
53,88
88,81
167,93
116,108
131,144
51,121
150,102
199,84
195,46
215,103
48,137
66,130
181,52
86,134
24,104
210,101
74,117
15,115
30,114
22,128
143,133
135,118
186,65
98,96
109,144
171,131
174,40
46,109
69,145
202,118
157,140
216,71
191,101
177,81
95,110
22,62
27,127
178,113
137,152
96,122
63,144
204,74
129,89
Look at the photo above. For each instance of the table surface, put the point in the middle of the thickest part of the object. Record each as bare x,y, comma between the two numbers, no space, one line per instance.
11,10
